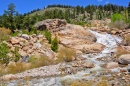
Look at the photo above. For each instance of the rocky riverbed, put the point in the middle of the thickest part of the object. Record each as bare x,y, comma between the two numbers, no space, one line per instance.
95,61
90,69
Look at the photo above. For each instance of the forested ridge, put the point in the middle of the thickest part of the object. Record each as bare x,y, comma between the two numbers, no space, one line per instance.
73,14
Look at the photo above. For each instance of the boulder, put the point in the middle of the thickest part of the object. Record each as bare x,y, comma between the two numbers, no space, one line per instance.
88,65
22,53
52,25
14,40
26,58
90,48
8,77
112,65
124,59
128,68
25,36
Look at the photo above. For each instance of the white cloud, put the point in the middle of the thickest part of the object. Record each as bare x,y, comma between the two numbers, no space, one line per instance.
99,0
107,2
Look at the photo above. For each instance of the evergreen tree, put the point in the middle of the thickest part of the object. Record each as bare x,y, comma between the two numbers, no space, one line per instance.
54,45
11,13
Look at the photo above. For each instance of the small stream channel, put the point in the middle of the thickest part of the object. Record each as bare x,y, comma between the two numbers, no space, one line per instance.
108,40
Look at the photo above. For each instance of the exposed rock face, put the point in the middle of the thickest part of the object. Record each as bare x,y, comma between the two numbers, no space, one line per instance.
112,65
79,39
52,25
124,59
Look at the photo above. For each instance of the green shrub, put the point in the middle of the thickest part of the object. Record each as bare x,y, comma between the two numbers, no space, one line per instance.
48,35
16,55
54,44
118,21
4,50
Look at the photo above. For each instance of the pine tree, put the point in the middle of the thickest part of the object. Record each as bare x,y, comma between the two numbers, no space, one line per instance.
54,45
10,13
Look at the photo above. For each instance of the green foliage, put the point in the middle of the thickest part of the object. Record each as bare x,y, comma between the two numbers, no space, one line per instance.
117,17
4,50
118,21
48,35
10,12
54,44
16,55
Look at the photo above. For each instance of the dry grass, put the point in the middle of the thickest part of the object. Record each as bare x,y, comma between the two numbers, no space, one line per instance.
81,83
40,61
19,67
66,54
4,34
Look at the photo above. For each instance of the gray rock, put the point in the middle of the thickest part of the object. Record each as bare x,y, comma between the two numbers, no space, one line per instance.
124,59
128,68
26,58
25,36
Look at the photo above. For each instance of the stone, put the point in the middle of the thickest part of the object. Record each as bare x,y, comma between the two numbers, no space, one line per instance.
22,53
112,65
26,58
14,40
128,68
11,63
52,25
124,59
8,77
25,36
88,65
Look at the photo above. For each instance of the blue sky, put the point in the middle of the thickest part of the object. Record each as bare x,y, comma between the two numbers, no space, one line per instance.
23,6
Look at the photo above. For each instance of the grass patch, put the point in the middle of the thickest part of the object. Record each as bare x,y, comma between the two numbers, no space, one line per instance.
66,54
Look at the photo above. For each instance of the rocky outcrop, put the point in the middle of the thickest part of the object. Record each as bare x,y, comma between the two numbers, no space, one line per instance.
29,45
79,39
52,25
124,59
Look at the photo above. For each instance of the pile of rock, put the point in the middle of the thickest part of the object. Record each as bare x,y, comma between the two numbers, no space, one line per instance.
52,25
29,45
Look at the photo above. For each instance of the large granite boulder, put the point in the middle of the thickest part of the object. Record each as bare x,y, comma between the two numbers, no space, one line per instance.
124,59
52,25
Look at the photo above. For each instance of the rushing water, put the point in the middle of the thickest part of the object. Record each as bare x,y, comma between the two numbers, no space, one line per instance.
106,39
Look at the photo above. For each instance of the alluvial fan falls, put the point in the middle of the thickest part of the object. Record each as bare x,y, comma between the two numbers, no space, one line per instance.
110,43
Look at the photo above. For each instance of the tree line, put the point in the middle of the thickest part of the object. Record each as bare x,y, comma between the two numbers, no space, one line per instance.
13,20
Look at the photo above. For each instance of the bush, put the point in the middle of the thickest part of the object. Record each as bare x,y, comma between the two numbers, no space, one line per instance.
16,55
4,50
119,24
38,61
117,17
48,36
66,54
118,21
54,44
4,34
